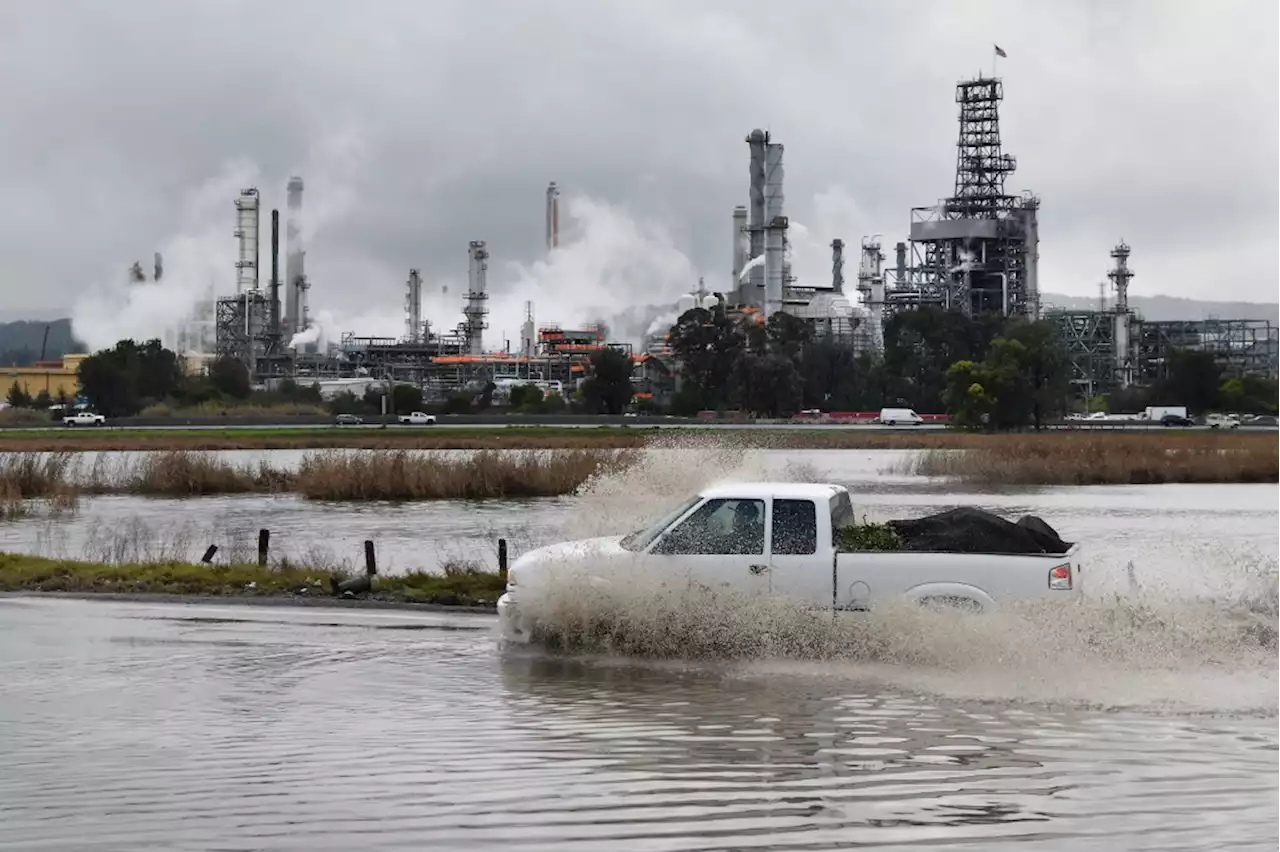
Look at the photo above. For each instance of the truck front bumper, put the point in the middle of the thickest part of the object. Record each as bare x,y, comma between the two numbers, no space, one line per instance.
513,626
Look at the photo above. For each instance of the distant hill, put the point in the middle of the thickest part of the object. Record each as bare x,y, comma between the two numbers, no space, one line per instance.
20,341
1171,308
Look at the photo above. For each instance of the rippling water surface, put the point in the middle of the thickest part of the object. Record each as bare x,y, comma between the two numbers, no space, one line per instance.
147,726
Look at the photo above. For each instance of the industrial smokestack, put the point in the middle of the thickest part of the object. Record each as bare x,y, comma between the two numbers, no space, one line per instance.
413,308
275,272
293,262
837,265
158,267
739,248
553,217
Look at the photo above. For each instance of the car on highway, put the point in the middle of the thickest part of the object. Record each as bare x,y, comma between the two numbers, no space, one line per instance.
84,418
1221,421
779,540
1176,420
348,420
417,418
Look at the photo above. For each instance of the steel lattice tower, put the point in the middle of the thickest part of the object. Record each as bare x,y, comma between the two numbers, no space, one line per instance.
981,167
977,251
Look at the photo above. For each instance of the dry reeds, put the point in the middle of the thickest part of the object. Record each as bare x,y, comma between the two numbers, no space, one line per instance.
1108,459
402,475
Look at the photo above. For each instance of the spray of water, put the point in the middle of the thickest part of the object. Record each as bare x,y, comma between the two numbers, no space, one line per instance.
751,264
1147,643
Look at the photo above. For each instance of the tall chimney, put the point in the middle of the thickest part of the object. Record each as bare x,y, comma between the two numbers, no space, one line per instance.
739,249
553,216
476,309
293,266
275,272
753,288
775,235
837,265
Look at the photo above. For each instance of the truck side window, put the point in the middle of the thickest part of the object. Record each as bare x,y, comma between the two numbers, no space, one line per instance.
718,527
795,527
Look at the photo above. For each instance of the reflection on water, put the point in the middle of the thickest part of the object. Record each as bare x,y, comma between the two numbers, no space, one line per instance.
152,726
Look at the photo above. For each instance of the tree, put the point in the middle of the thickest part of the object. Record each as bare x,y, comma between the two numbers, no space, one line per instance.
920,347
122,380
607,389
230,377
485,398
18,396
1192,378
1248,395
707,344
526,398
770,384
406,398
1022,379
42,400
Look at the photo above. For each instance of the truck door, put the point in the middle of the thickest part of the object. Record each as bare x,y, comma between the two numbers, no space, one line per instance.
721,545
800,569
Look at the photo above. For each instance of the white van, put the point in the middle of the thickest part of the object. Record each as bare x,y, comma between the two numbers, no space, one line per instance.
900,417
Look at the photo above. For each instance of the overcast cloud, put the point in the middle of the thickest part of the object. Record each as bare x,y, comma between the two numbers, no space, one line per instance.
421,125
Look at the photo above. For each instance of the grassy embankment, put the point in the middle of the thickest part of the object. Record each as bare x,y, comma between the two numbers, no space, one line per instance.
458,585
1109,459
61,477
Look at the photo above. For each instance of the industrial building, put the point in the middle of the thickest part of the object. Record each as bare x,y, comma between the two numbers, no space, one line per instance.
1115,347
975,252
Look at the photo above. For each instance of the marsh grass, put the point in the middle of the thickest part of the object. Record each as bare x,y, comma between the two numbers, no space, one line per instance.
403,475
459,585
1108,459
61,477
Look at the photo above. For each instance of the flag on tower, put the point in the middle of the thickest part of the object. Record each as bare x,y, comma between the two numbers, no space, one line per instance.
1001,53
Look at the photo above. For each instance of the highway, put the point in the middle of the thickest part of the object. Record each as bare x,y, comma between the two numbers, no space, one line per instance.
1074,426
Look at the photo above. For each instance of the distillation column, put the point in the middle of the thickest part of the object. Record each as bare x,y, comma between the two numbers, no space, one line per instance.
775,235
1120,276
247,239
413,308
476,307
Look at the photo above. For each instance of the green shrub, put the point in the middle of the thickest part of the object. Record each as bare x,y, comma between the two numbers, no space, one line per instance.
858,538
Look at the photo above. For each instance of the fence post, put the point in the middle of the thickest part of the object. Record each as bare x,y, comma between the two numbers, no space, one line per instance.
208,554
502,559
264,543
370,559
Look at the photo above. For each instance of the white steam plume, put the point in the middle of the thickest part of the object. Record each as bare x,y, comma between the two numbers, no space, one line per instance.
199,261
751,264
607,262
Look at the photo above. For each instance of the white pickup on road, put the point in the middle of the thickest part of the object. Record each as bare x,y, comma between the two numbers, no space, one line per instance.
789,551
83,418
417,418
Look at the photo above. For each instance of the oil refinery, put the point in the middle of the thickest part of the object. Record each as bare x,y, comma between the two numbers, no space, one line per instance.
974,252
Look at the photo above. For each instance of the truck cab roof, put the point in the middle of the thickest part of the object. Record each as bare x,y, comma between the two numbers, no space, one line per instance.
762,490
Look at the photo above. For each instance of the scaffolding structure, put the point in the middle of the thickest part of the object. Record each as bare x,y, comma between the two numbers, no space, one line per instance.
977,251
1240,347
242,328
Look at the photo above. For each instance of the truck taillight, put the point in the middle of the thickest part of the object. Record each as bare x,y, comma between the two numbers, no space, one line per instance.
1060,578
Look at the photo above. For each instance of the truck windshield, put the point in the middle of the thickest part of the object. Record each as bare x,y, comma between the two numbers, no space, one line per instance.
641,539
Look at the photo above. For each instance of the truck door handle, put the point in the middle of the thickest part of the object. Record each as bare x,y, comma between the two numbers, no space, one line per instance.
758,569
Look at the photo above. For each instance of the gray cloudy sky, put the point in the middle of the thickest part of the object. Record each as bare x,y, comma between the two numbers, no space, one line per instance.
422,125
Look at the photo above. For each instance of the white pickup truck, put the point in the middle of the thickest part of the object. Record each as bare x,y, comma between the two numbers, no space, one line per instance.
785,548
417,418
83,418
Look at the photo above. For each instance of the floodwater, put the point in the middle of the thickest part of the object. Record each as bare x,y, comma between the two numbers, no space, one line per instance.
1170,533
1140,720
156,726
